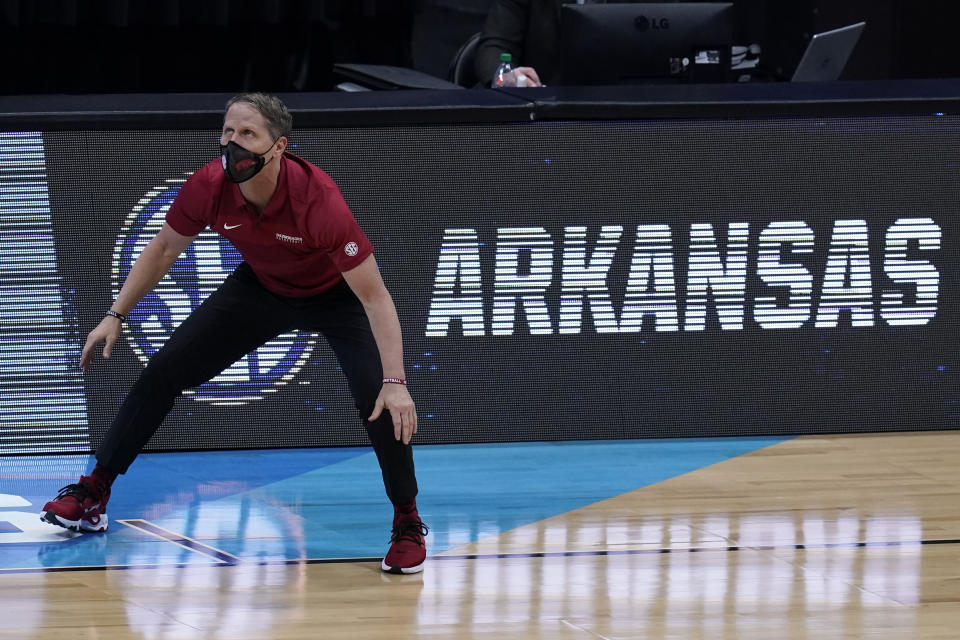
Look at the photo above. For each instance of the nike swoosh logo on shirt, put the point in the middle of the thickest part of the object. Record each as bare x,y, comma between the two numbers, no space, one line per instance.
231,226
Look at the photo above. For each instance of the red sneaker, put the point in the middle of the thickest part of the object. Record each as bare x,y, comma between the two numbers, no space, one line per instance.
407,549
79,507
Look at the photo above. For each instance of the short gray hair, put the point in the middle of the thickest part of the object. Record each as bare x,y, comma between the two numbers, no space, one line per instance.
279,120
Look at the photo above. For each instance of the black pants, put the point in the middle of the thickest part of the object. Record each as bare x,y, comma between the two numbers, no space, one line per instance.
236,319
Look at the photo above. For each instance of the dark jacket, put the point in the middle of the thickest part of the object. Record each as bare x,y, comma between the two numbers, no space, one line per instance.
529,30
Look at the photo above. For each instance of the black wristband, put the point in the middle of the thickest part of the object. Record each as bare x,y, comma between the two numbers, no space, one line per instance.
116,314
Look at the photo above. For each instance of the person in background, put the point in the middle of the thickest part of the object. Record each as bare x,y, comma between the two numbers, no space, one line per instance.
529,30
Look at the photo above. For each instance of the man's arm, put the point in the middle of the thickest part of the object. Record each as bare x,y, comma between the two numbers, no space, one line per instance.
505,31
155,261
366,283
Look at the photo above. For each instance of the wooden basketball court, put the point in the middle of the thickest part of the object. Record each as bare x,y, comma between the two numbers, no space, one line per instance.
854,536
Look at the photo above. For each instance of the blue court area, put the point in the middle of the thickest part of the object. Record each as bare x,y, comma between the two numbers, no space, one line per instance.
314,504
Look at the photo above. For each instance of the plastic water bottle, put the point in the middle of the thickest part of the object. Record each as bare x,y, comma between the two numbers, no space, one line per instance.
501,77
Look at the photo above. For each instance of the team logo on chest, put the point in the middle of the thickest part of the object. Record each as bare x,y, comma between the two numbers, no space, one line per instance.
289,239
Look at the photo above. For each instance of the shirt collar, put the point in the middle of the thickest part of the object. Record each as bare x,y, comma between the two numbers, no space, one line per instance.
277,201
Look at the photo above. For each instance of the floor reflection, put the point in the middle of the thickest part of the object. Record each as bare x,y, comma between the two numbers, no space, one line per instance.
682,575
733,550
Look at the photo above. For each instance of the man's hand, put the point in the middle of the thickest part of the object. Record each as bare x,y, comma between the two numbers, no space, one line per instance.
530,78
396,399
107,333
154,262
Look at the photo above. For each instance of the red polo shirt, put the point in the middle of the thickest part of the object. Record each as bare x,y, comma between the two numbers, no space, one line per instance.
301,242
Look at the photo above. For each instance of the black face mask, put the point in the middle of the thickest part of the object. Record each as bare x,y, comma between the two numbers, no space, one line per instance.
240,164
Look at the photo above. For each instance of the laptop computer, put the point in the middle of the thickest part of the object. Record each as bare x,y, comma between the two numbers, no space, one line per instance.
827,54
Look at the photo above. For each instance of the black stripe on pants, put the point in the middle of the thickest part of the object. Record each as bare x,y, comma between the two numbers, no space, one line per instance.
234,320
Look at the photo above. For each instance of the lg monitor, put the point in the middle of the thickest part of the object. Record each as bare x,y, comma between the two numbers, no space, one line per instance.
628,43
